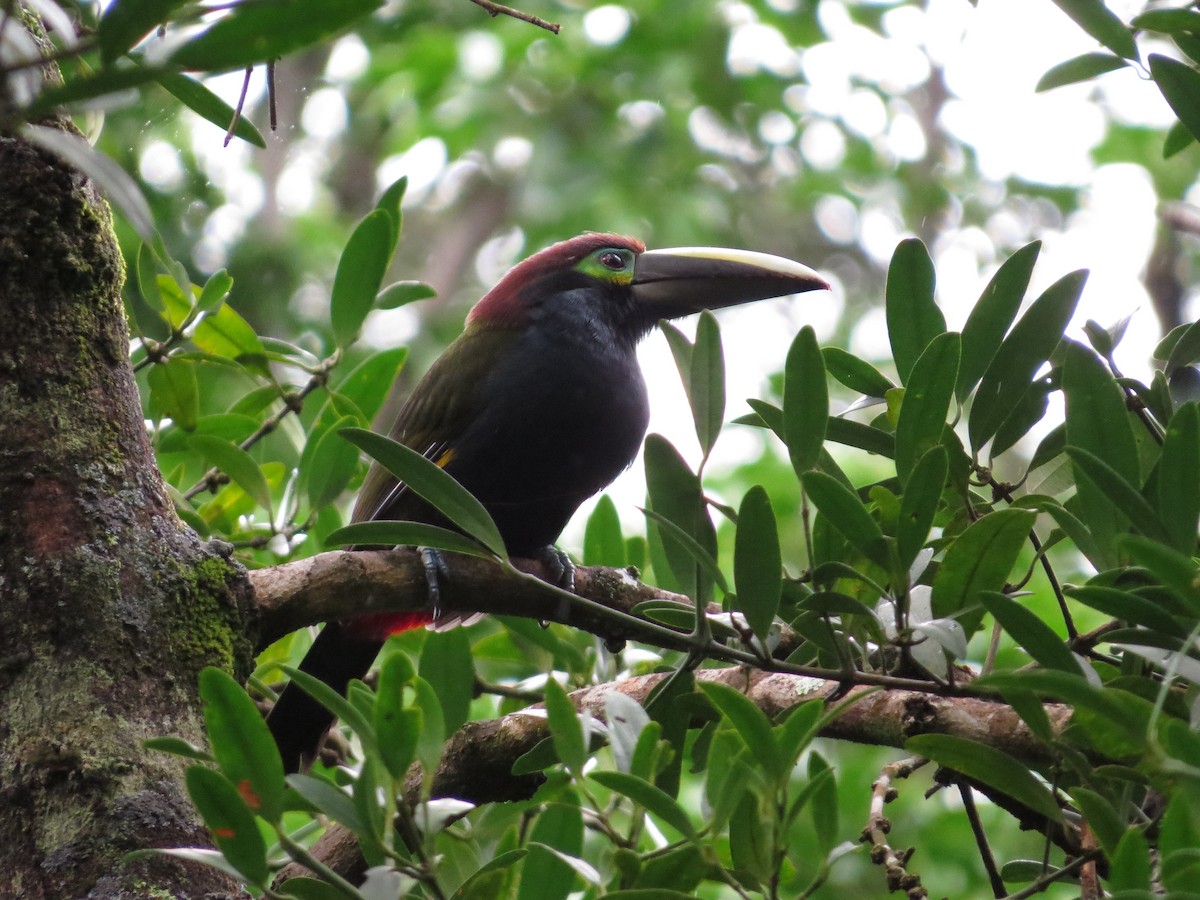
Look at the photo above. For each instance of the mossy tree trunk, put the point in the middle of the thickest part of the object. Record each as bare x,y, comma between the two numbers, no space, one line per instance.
109,606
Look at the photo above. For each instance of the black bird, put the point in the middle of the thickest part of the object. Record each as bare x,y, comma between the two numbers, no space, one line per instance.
535,407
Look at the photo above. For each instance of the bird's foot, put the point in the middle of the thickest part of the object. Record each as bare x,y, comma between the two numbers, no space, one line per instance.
435,571
560,567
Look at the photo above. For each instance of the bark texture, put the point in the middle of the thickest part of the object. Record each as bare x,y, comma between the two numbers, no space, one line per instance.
109,606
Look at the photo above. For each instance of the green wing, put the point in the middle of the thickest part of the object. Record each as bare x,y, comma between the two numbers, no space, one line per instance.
436,414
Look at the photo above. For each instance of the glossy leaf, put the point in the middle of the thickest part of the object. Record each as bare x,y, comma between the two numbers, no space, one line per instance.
752,724
676,495
566,730
1177,494
846,513
125,22
1180,85
919,504
1021,354
346,711
329,799
1101,23
864,437
237,464
1104,481
204,103
992,315
1079,68
259,32
230,821
706,382
242,743
927,395
1129,867
653,799
1126,605
402,293
1104,821
432,483
447,665
990,766
1024,627
175,391
225,333
360,271
913,318
855,373
369,384
544,876
980,559
757,562
332,464
603,542
397,725
390,201
805,401
1176,570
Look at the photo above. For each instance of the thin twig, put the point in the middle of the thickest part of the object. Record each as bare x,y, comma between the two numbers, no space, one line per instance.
495,9
271,110
1050,877
237,112
981,841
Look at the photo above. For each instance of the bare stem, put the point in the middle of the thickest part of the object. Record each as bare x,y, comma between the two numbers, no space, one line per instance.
496,9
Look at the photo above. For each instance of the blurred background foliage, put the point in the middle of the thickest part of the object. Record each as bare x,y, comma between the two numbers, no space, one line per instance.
815,130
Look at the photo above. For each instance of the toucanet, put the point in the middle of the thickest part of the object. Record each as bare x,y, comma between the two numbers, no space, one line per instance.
535,407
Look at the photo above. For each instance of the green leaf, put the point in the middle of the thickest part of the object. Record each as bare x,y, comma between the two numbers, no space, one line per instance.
651,798
992,315
1106,483
706,382
1180,85
854,373
480,885
360,271
305,888
214,292
1178,838
404,534
1177,494
676,495
980,559
98,83
1097,417
1024,626
673,535
259,32
846,513
864,437
805,401
204,103
927,395
919,504
331,465
126,22
1021,354
401,293
229,819
389,201
242,743
990,766
1129,866
225,333
824,802
1168,21
369,384
757,562
447,665
752,724
544,876
177,747
237,464
1079,68
433,484
603,542
432,734
397,725
565,728
346,711
328,799
1104,821
1176,570
1178,138
1128,606
913,318
175,391
1102,24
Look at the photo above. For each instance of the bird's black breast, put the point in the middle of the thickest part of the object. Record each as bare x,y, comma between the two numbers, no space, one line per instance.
561,416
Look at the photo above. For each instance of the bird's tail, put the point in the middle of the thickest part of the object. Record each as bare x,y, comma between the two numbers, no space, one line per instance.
299,723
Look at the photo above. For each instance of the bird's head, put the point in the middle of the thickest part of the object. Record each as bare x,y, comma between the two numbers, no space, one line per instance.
634,287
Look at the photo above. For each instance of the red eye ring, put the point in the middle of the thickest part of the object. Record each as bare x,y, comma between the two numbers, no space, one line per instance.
611,259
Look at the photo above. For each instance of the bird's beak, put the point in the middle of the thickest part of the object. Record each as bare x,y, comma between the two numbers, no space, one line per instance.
683,280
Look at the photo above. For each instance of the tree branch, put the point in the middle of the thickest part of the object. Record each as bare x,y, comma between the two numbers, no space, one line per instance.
477,762
495,9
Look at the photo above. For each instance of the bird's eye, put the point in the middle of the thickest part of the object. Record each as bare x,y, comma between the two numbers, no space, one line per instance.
611,259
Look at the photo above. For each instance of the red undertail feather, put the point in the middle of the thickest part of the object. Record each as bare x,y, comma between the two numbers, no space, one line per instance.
381,626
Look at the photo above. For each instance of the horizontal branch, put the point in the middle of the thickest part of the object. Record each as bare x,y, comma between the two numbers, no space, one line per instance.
478,759
343,583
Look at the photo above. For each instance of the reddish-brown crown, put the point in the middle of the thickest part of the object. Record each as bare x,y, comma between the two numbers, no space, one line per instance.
502,305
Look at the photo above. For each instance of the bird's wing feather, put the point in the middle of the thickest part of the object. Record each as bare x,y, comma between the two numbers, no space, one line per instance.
442,405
